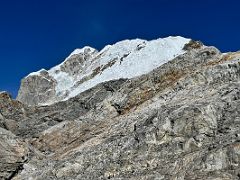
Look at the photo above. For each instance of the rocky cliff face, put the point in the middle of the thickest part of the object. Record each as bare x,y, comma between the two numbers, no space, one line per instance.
178,118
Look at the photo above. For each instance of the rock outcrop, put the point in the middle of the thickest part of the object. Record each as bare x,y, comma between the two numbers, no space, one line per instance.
13,154
179,121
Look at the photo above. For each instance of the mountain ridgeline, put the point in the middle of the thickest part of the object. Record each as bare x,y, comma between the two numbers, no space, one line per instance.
160,109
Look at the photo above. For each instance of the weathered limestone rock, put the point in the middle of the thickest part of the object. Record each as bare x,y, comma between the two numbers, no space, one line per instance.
13,154
9,108
37,88
180,121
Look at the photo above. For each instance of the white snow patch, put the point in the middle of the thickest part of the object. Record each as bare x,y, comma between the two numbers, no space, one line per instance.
64,80
137,62
86,49
36,73
132,58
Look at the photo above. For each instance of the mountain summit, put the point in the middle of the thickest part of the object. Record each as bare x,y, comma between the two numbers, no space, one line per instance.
160,109
86,67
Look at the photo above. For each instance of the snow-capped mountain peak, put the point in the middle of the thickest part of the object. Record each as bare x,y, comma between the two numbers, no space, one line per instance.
86,67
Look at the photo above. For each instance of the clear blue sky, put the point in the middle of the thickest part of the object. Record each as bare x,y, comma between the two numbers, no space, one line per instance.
37,34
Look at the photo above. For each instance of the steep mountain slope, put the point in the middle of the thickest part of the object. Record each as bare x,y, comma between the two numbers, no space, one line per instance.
179,120
86,67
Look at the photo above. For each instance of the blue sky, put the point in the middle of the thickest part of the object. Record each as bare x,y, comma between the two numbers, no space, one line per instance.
37,34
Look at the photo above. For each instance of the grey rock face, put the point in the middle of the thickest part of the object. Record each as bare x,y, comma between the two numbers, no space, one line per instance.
180,121
37,89
10,109
13,154
76,63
